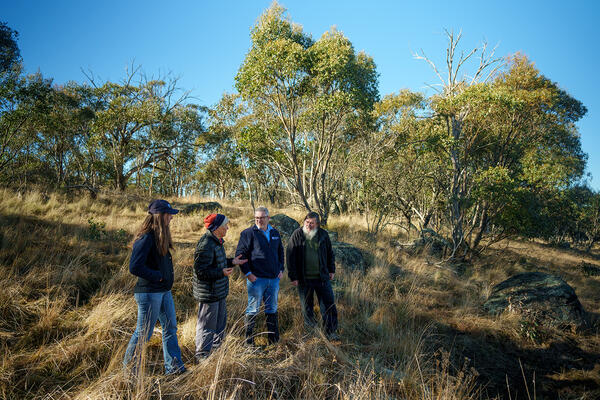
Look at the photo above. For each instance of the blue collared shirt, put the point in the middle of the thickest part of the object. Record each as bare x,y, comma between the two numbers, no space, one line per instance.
267,233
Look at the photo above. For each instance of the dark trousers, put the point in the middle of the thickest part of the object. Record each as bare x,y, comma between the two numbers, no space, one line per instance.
324,292
210,327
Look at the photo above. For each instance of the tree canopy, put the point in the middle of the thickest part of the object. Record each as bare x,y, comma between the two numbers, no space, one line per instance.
494,152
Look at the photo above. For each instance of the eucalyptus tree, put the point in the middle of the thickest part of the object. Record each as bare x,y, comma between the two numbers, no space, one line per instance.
10,55
273,79
587,221
133,119
307,96
507,139
453,83
180,129
62,131
394,166
23,100
526,148
341,95
220,145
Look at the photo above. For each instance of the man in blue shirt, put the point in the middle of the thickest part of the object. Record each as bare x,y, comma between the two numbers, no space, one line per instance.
261,246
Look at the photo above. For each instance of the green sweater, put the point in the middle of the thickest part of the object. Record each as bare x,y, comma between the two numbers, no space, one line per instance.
311,258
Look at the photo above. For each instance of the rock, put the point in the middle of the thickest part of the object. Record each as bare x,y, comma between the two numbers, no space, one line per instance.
545,298
562,245
589,269
333,236
284,224
432,242
201,207
348,257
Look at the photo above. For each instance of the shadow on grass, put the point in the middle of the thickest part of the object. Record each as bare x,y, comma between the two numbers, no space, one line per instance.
509,371
508,368
75,257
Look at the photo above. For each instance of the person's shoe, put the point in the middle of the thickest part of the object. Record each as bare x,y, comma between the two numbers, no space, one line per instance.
272,328
250,321
179,371
199,357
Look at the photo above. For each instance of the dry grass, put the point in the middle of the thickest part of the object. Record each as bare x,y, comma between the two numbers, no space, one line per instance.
408,325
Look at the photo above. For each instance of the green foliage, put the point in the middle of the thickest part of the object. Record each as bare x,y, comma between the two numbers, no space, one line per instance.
23,102
309,100
482,159
530,330
96,230
10,55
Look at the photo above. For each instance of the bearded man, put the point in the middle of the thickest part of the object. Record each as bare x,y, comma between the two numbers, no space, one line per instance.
311,267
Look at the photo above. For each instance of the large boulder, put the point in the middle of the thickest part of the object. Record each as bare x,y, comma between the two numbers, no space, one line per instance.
285,225
545,298
431,243
333,236
348,257
201,207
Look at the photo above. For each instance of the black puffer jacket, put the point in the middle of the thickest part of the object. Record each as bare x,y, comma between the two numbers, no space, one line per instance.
209,283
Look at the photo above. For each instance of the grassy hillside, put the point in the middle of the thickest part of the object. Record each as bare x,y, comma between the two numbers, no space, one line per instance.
411,328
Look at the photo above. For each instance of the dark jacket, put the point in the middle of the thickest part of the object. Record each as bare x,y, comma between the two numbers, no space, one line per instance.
150,267
295,255
265,258
209,283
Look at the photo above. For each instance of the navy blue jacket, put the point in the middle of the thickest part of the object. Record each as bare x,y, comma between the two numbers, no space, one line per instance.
265,258
150,267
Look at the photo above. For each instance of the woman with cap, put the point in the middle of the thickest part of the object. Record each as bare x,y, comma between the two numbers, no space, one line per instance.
151,262
211,284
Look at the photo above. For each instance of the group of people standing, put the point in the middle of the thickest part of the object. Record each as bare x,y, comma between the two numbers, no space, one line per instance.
260,256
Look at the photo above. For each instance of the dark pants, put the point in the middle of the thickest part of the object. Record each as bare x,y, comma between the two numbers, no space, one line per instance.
210,328
324,292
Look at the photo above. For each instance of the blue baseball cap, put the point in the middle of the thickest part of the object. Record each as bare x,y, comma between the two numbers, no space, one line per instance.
161,206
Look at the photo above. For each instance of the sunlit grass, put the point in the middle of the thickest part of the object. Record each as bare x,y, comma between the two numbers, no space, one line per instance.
67,312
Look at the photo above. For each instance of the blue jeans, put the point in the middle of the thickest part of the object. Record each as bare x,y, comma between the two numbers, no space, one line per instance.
152,307
262,290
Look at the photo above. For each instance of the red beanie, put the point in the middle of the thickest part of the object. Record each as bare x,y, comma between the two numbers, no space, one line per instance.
213,221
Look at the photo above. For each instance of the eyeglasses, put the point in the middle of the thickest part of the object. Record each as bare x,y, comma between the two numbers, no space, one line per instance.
261,218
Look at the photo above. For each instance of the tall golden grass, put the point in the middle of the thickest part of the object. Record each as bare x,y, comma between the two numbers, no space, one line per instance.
67,312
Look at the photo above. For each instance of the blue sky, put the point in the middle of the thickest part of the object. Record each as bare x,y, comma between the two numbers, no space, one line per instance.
205,42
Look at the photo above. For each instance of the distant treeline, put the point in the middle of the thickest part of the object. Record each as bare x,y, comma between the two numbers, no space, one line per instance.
494,152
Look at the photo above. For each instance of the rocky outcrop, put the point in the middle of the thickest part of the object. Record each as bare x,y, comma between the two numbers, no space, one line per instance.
285,225
545,298
201,207
429,243
333,236
348,257
432,243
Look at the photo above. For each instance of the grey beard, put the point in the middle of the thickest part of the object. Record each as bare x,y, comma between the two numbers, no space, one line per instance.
309,234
